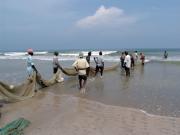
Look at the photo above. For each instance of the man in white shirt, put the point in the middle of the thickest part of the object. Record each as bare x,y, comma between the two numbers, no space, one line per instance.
99,64
81,65
127,62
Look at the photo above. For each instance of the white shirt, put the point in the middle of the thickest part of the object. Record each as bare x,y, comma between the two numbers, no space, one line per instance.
127,61
81,63
136,56
99,60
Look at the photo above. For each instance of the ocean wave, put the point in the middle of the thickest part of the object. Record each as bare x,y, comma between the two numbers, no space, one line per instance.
113,56
15,53
94,53
169,59
23,53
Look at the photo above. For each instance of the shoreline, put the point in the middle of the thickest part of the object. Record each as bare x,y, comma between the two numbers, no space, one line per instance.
64,114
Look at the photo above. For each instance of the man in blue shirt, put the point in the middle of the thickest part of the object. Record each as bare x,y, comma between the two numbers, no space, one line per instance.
30,64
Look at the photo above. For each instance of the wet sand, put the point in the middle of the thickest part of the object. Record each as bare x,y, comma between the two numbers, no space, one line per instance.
52,114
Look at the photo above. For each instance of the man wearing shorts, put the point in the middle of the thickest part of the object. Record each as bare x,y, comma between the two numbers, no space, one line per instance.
81,66
99,64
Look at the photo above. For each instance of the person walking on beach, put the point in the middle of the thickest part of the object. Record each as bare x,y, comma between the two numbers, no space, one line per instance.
165,55
88,58
142,57
81,66
57,66
122,59
99,64
127,63
30,64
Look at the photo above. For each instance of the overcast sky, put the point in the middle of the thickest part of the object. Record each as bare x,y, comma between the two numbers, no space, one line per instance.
89,24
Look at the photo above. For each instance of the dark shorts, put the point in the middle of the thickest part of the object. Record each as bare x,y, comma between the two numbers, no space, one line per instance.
99,68
82,77
55,69
87,71
127,71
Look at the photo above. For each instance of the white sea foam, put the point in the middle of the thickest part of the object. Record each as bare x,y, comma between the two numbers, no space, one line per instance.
66,56
23,53
158,58
15,53
94,53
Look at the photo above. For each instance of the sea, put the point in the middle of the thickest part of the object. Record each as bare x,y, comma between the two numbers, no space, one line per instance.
153,88
109,55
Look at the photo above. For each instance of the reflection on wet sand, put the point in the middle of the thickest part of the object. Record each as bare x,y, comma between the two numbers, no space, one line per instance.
148,88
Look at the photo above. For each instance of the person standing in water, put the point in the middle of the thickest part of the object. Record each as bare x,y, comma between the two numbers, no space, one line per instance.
132,61
99,64
122,59
135,57
57,66
142,57
30,64
88,58
81,66
127,63
165,55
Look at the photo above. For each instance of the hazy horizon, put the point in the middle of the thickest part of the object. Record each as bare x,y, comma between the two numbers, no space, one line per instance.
102,49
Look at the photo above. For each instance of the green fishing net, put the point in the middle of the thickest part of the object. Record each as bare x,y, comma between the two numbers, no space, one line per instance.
15,128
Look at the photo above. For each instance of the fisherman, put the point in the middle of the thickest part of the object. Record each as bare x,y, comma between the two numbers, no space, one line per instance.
57,66
81,66
99,64
88,58
132,61
135,57
127,63
142,57
30,64
122,59
165,55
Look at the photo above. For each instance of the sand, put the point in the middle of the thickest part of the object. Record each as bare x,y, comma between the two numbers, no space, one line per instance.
52,114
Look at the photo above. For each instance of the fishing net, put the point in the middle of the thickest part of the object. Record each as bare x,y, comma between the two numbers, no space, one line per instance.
15,128
11,93
56,78
73,72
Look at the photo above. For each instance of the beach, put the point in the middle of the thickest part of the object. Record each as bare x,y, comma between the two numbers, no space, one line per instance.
51,114
147,102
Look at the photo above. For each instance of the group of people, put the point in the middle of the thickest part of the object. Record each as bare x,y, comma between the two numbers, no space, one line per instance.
128,61
81,65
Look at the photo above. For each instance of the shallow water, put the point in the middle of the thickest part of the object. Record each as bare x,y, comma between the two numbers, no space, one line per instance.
154,88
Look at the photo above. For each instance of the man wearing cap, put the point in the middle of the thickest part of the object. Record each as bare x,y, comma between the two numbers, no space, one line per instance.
81,65
30,64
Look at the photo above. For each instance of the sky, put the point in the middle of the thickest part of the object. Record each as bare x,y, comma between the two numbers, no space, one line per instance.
89,24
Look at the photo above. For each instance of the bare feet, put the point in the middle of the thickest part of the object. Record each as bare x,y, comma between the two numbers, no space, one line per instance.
82,90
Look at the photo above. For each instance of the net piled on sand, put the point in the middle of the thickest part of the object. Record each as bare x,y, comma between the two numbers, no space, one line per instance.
15,128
